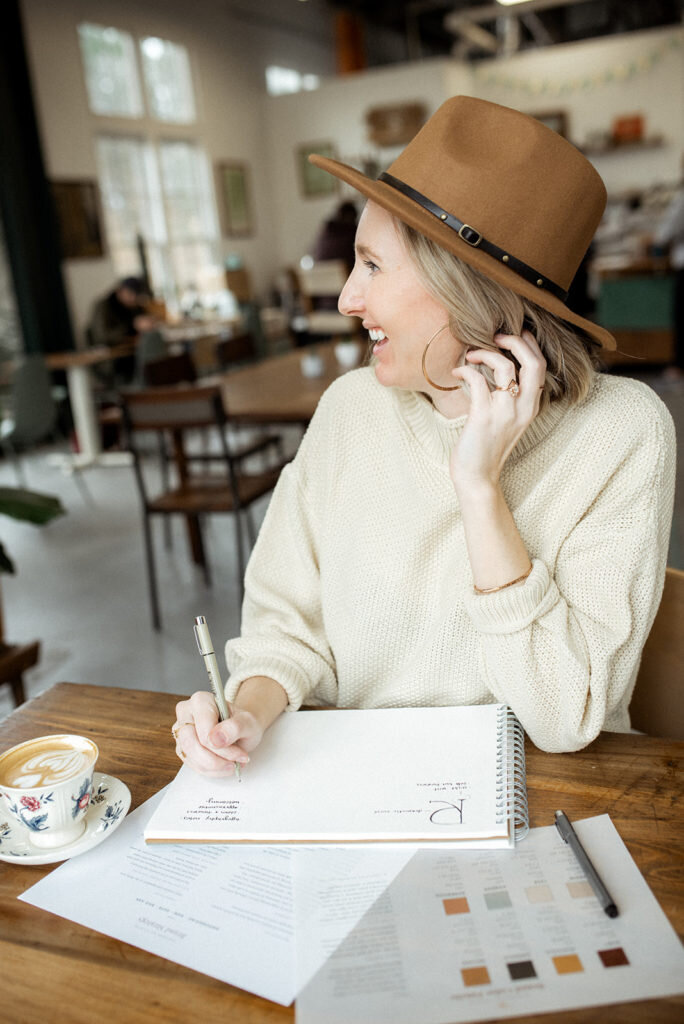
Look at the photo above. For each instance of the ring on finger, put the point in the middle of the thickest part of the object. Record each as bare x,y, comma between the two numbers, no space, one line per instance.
176,728
513,388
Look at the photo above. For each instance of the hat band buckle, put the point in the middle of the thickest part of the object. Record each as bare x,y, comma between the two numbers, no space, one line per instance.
472,237
466,232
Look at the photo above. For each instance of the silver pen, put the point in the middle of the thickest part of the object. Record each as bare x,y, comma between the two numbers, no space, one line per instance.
569,836
206,649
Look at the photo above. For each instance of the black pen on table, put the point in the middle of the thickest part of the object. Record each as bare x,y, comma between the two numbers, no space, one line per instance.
206,649
569,836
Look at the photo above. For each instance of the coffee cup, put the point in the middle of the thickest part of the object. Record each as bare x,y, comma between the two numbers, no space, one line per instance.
347,354
45,786
312,364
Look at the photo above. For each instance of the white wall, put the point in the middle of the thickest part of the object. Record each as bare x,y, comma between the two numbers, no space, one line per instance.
646,72
336,113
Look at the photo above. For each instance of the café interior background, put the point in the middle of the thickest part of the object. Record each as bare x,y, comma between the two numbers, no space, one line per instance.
80,585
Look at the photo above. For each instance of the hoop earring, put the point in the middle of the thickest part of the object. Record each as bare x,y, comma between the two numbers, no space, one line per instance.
432,384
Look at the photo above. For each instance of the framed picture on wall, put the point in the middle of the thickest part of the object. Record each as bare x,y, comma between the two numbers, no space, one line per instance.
235,199
312,180
77,204
556,119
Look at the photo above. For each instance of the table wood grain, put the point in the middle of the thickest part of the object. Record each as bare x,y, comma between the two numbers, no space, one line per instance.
49,964
275,390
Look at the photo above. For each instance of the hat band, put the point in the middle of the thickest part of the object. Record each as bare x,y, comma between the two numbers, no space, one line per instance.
471,236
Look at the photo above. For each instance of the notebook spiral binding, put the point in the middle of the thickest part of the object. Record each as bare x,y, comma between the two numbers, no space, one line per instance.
511,785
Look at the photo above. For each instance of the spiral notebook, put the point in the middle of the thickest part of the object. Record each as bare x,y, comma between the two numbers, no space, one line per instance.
433,776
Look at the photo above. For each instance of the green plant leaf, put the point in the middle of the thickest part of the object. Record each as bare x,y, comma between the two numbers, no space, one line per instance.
29,506
6,563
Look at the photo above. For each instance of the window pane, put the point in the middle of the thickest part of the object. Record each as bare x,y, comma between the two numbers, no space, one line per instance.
190,261
280,81
173,212
188,192
168,82
111,72
132,203
131,192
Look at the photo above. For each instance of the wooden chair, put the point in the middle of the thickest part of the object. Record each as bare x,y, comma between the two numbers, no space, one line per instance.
320,286
15,659
204,353
236,351
657,705
195,492
180,369
170,369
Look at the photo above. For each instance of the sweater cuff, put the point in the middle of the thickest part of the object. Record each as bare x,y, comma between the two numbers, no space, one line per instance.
514,608
288,676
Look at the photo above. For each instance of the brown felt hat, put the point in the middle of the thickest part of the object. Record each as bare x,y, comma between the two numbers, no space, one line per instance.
502,192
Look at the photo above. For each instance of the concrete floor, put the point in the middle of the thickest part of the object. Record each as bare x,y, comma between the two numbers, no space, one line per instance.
81,585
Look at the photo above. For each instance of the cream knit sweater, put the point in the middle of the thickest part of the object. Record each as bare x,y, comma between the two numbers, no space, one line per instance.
359,590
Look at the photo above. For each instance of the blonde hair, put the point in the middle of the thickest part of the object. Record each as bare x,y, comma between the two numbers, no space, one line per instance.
480,308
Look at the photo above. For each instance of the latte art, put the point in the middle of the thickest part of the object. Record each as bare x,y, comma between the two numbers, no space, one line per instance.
46,762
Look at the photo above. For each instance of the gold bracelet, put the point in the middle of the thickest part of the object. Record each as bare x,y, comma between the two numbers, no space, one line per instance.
493,590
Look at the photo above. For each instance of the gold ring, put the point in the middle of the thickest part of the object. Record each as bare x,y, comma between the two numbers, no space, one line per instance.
512,387
432,384
176,728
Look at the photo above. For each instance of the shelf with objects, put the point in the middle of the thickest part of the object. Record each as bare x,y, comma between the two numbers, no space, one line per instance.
631,285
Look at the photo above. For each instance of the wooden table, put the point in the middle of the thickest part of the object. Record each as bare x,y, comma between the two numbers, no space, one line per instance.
78,363
49,964
276,390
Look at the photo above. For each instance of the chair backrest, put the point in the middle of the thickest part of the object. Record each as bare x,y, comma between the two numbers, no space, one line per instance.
204,353
319,288
174,408
239,349
177,369
34,412
324,279
176,411
657,705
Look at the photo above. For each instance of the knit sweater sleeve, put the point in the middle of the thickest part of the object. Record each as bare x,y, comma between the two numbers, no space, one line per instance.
563,649
282,634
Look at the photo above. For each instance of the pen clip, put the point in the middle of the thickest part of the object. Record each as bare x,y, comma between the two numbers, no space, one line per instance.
197,640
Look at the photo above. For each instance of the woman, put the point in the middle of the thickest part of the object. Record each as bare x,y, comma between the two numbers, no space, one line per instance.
478,516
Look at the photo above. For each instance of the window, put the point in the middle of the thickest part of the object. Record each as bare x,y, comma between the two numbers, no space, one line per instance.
111,72
155,192
280,81
168,84
132,205
172,212
190,211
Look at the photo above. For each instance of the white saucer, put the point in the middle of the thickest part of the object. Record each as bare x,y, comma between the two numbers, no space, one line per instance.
108,806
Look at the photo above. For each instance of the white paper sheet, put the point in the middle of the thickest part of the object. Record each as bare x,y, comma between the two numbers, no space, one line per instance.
491,934
226,911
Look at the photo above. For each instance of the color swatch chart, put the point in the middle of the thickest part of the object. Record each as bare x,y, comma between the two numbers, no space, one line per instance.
472,935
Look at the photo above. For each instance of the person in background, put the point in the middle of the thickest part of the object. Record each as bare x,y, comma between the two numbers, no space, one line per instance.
119,316
336,238
669,236
479,516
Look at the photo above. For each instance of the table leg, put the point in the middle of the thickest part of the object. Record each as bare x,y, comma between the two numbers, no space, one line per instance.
87,428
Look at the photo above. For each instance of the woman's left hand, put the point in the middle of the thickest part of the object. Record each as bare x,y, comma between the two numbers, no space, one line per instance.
496,419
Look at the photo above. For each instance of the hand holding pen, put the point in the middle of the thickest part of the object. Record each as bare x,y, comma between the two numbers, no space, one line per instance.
208,737
206,649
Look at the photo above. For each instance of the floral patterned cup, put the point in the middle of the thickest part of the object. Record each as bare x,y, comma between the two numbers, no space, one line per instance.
45,787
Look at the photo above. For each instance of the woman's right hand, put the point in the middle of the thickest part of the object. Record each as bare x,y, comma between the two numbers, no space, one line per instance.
209,746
